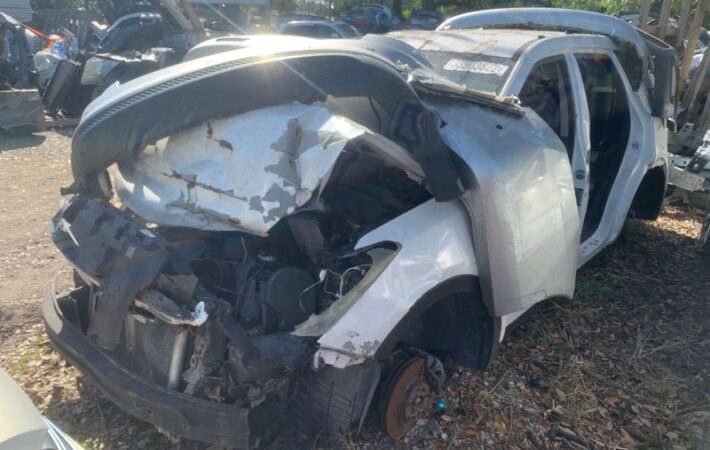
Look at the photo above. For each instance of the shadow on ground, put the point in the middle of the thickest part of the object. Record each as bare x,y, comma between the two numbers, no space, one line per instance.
18,142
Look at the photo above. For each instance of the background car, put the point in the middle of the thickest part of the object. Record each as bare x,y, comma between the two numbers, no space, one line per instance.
371,19
280,20
320,29
22,427
425,19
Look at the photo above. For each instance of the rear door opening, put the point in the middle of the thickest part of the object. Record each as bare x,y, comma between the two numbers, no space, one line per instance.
609,129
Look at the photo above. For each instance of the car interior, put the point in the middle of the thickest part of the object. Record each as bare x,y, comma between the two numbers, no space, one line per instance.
609,130
548,92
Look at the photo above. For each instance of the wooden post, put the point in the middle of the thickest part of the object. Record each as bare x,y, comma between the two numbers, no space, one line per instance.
190,13
682,23
179,17
701,125
694,88
644,13
663,19
692,40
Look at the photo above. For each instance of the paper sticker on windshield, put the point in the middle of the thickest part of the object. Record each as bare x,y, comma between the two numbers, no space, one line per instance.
461,65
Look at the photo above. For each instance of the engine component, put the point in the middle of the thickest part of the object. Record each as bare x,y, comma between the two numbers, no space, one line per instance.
287,300
168,311
278,356
176,360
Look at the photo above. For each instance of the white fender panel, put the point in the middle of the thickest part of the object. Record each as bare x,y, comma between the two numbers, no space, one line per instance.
436,245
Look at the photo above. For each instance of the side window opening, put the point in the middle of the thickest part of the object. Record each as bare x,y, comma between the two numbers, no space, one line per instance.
609,131
302,30
547,91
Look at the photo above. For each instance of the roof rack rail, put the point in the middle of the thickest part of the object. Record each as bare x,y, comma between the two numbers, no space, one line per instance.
554,19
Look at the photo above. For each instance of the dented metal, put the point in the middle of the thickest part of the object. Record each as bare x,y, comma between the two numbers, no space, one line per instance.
251,170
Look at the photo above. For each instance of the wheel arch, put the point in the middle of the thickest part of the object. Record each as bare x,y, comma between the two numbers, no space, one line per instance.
471,335
648,200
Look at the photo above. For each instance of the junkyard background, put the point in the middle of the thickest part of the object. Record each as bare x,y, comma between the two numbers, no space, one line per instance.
624,365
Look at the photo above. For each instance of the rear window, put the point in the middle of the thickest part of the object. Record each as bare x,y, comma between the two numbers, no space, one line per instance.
477,72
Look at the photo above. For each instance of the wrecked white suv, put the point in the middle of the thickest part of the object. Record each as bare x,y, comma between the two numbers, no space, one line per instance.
297,230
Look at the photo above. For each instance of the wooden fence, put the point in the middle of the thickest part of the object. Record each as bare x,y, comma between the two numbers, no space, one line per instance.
75,20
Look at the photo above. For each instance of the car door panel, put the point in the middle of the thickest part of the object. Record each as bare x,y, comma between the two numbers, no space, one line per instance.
520,194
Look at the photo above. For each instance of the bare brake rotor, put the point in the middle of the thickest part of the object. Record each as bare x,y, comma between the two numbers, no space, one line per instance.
408,396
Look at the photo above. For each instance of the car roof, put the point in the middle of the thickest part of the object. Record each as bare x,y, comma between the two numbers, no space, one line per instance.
313,22
505,43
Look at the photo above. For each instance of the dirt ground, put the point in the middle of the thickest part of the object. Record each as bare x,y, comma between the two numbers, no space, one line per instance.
626,364
32,169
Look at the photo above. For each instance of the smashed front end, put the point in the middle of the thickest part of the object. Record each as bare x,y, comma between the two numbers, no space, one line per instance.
217,206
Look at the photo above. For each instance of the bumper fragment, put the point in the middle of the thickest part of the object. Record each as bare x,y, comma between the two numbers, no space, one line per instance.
187,416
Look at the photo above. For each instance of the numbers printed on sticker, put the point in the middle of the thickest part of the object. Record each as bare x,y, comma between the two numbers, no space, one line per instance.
461,65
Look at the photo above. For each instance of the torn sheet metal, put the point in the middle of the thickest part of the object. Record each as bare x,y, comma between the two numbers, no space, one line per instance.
241,173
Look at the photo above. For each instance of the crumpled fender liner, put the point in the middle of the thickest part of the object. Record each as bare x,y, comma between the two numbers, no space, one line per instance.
143,116
121,256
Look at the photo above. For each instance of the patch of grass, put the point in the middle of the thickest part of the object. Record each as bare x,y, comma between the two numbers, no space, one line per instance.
35,346
593,290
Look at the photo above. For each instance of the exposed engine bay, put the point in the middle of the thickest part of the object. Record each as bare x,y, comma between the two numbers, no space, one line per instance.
210,312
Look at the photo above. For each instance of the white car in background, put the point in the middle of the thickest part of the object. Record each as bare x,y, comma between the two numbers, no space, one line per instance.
22,427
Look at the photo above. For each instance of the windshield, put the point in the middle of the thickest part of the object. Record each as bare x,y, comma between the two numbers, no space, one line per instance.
477,72
347,30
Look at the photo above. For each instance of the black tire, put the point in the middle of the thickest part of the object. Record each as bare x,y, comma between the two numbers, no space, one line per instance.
332,401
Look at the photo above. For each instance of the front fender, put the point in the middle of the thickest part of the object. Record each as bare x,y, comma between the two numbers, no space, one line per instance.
435,245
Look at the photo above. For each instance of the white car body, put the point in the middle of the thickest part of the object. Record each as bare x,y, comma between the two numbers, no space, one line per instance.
464,174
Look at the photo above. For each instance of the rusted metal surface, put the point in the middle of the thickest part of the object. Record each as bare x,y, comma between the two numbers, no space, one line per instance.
409,397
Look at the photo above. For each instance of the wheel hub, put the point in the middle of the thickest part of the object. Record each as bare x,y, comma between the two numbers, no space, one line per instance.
409,396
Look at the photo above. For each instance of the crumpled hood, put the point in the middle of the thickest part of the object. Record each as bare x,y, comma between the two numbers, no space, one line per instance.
245,172
349,79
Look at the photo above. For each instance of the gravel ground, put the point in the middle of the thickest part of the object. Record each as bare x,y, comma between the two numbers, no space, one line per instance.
626,364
